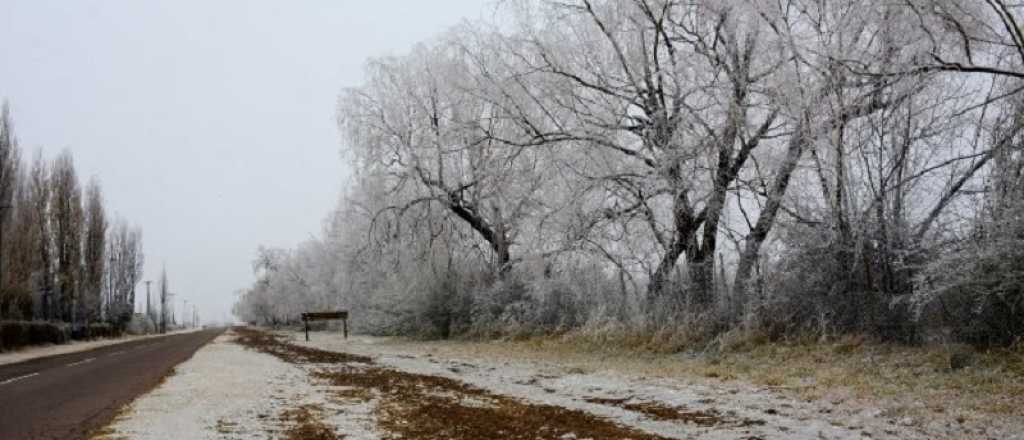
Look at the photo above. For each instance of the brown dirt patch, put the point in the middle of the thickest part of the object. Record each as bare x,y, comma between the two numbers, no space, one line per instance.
417,406
271,344
610,401
225,427
420,406
658,411
305,424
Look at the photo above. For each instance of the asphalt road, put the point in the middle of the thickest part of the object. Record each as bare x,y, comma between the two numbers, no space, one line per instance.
70,395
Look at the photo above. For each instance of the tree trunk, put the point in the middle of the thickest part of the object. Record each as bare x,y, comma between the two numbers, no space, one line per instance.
685,228
766,219
496,235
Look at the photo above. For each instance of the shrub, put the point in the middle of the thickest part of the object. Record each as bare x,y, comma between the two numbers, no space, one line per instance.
100,330
975,293
827,286
18,334
140,325
14,334
532,301
443,309
50,332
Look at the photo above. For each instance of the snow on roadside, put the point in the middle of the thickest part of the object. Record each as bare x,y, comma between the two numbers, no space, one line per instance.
34,352
228,391
768,415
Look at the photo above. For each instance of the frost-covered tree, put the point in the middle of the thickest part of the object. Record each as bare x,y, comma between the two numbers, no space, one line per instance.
93,253
439,130
791,166
66,220
53,252
10,161
124,271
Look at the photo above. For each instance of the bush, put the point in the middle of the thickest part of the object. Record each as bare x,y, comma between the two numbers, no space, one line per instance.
18,334
13,334
50,332
975,293
445,307
826,286
140,325
527,303
101,330
94,330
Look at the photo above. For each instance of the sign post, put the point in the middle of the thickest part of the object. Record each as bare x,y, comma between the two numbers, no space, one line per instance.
324,316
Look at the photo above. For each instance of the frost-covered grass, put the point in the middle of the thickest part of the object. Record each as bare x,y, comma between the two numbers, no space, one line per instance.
254,384
921,380
884,390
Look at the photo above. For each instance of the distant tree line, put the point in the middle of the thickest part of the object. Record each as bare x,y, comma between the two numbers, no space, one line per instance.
683,169
62,259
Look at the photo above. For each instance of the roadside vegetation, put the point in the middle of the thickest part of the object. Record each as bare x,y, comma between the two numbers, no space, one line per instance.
67,271
950,382
804,195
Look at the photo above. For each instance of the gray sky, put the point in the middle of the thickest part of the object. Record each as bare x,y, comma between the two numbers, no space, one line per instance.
210,123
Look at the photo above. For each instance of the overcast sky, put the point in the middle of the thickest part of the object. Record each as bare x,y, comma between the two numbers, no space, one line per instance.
209,123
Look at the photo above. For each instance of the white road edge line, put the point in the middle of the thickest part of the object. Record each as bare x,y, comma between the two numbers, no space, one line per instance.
15,379
83,361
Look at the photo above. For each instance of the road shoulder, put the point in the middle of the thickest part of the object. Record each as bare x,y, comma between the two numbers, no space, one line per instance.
37,352
228,391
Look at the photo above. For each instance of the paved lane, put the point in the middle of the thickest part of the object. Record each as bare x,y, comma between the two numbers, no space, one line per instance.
67,396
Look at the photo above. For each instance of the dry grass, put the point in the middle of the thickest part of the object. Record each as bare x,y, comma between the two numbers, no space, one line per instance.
417,406
225,427
304,424
295,354
909,380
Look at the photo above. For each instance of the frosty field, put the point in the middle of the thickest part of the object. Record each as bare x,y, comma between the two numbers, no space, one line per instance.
251,384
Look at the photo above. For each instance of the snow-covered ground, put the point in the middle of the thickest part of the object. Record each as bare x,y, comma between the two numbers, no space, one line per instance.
29,353
565,386
228,391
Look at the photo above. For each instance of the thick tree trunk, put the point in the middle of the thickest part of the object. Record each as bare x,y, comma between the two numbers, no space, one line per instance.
766,219
659,279
495,235
685,228
701,256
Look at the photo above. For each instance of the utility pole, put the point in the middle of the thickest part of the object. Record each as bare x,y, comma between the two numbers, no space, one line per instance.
184,313
149,309
164,296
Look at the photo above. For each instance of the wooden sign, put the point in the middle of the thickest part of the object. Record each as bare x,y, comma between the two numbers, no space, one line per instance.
326,316
323,316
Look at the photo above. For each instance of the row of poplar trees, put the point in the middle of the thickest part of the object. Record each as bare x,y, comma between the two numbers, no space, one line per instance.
61,257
